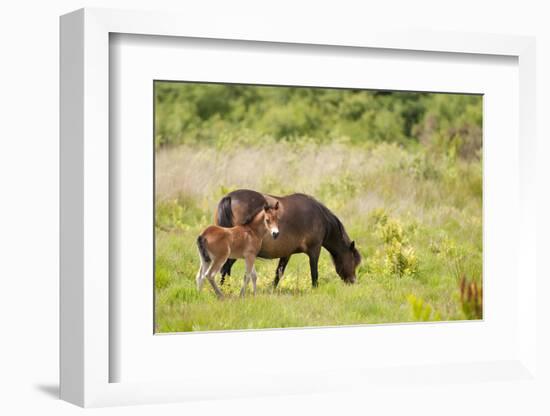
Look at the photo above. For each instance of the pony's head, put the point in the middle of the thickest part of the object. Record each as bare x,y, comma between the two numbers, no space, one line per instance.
346,262
271,219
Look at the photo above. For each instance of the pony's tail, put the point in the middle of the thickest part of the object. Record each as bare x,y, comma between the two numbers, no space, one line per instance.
202,249
225,215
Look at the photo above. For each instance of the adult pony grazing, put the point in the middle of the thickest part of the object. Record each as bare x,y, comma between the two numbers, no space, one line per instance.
217,244
305,225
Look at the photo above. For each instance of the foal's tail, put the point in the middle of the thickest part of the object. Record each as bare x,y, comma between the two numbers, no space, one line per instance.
202,249
225,215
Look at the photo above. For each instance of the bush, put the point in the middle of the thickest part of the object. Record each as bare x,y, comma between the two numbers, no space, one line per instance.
397,257
391,231
453,123
400,259
205,113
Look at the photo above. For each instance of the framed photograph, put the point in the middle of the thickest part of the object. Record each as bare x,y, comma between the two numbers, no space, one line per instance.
379,191
267,213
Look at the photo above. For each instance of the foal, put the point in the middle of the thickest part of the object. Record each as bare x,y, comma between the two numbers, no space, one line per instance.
217,244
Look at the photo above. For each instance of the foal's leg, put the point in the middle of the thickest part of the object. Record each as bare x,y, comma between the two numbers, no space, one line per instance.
212,270
254,278
200,276
249,264
283,261
313,265
246,279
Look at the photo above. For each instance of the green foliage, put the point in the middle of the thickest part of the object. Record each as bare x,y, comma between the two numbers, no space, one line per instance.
453,125
188,113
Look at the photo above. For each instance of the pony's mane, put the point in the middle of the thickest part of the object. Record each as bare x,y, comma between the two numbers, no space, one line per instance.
336,226
333,222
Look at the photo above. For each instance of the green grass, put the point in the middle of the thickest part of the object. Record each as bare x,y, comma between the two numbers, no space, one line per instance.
414,212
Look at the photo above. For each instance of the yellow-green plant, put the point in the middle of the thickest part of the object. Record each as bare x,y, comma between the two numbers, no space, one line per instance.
454,257
400,259
421,310
391,231
378,216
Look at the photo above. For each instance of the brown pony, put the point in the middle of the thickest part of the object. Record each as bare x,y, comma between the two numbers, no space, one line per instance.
305,226
217,244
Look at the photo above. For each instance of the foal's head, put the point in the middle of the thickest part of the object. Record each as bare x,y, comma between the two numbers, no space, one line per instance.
271,219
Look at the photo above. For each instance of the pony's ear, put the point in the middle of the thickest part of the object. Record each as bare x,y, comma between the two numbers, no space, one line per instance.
352,245
276,205
266,207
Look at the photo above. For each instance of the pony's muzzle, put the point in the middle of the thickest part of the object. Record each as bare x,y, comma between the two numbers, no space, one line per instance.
275,234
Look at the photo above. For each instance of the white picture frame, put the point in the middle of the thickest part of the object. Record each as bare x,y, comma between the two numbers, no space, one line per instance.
85,217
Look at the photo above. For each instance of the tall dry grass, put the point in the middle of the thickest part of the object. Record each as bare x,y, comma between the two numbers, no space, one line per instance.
384,176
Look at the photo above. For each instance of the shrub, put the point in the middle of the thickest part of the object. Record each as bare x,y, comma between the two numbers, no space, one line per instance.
398,257
378,216
391,231
452,123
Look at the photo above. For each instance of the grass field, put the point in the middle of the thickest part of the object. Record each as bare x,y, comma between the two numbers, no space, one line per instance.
415,214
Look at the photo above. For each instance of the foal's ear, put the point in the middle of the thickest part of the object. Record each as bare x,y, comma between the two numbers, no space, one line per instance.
266,207
276,205
352,245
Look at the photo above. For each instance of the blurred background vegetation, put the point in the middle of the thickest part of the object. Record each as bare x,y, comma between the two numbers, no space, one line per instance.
208,114
402,170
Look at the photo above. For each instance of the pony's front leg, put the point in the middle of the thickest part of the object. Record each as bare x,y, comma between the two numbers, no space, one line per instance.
283,261
249,264
226,269
314,265
246,279
254,278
